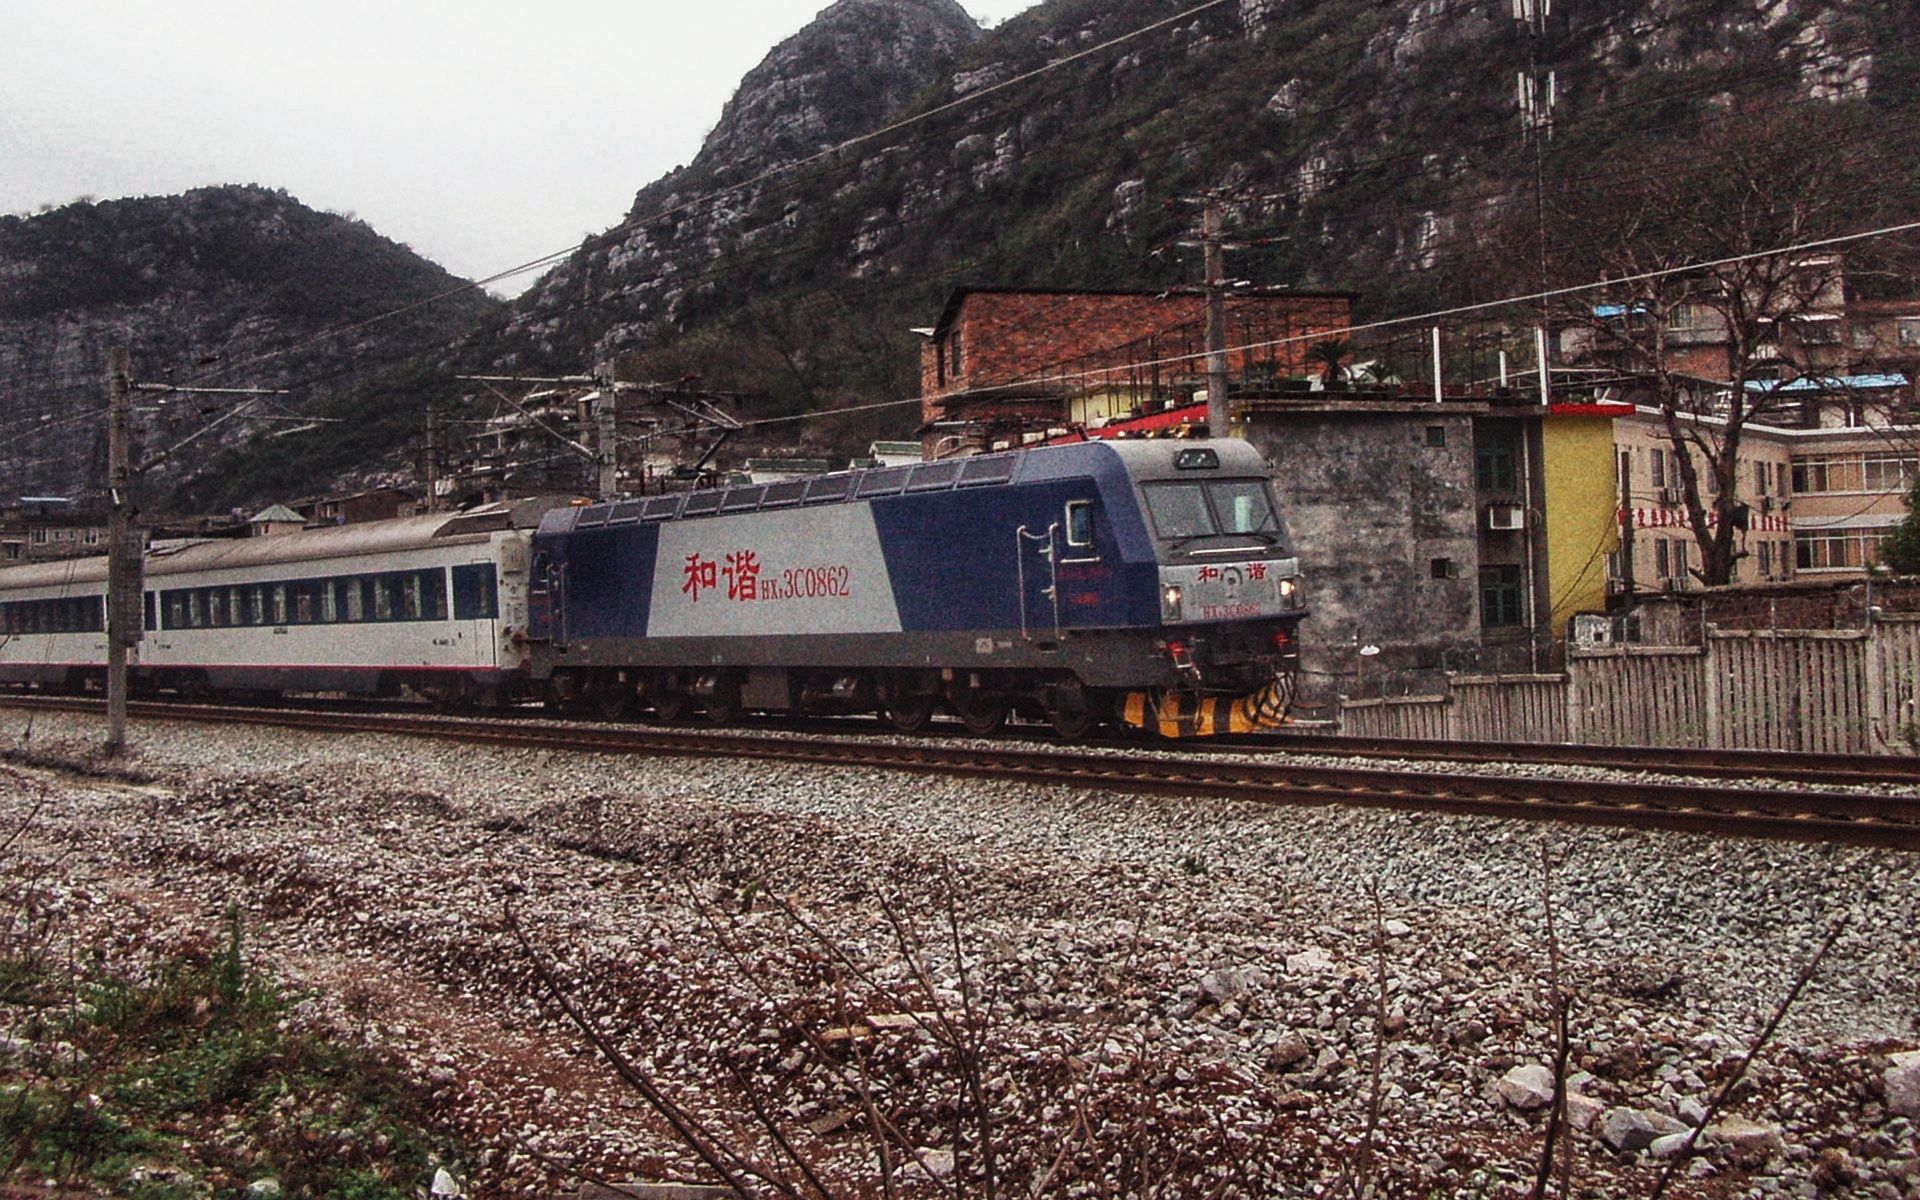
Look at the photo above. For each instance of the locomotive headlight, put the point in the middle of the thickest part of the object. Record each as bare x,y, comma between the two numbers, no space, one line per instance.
1170,602
1290,593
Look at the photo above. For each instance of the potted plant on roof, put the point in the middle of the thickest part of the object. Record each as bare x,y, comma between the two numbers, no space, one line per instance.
1329,354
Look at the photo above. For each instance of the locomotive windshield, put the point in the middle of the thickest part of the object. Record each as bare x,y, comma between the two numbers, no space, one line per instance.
1215,508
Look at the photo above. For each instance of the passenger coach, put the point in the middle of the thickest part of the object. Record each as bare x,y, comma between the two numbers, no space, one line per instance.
435,604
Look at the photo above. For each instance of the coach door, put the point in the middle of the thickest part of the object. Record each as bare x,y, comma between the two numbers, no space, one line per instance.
476,612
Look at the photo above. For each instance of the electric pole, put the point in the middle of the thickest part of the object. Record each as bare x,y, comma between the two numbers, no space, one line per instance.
123,556
126,610
1215,261
433,457
606,427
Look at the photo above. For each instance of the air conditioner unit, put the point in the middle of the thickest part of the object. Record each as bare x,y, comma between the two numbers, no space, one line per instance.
1506,517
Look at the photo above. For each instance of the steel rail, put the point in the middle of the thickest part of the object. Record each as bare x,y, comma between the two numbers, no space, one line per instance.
1849,818
1799,765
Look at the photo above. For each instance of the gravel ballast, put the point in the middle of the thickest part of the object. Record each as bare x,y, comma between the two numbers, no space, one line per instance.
1149,985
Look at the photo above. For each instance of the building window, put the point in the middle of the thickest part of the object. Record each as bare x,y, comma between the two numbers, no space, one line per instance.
1441,568
1500,597
1657,464
15,550
1436,435
954,357
39,537
1837,549
1766,560
1493,462
1662,561
1855,473
1907,330
1888,473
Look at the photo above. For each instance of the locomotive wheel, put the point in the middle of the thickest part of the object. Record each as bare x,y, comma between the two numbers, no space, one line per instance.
982,715
910,712
611,699
1072,712
723,707
669,704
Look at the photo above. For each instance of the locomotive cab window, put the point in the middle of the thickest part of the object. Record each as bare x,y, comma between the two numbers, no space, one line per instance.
1079,524
1217,508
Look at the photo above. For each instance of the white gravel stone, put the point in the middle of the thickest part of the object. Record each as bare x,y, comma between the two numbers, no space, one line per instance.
1192,942
1527,1087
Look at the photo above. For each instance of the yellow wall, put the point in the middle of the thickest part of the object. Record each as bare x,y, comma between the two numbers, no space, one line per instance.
1582,508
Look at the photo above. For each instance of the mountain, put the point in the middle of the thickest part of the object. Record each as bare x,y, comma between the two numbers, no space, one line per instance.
893,150
1365,145
220,287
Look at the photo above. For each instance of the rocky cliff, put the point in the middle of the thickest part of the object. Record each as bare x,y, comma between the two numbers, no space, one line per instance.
1371,146
221,287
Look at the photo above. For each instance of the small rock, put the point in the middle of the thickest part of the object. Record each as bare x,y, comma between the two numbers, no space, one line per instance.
1742,1133
1311,961
1903,1083
1221,986
1527,1087
1630,1128
1396,928
1691,1111
1289,1052
266,1188
1581,1111
935,1164
444,1184
1667,1145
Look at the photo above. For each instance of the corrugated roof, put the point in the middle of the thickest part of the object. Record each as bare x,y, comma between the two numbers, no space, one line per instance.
1828,383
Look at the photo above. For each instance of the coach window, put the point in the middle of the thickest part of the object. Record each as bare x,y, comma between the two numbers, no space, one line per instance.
152,621
217,607
1080,524
383,598
474,597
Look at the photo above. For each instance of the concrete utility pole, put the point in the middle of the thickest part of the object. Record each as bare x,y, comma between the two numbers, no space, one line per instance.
606,429
433,457
126,582
1218,414
123,556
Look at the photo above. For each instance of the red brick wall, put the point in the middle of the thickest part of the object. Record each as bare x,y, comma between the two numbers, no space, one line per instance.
1008,337
1838,604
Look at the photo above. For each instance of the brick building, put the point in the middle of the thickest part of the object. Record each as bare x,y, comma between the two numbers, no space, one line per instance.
1003,366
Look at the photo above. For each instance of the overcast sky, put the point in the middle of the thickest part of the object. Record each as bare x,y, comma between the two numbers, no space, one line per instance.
483,134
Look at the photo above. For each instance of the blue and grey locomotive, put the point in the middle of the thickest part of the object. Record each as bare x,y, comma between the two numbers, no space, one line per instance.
1150,581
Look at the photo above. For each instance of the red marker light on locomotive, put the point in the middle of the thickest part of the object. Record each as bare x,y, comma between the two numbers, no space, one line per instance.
1282,640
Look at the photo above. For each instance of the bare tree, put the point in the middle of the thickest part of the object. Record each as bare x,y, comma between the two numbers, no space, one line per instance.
1705,344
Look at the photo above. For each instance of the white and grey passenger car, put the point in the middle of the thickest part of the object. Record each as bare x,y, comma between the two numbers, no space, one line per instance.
435,604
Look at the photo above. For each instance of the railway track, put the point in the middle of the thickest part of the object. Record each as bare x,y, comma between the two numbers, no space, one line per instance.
1849,818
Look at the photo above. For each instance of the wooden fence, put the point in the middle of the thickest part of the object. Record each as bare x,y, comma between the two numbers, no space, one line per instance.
1835,691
